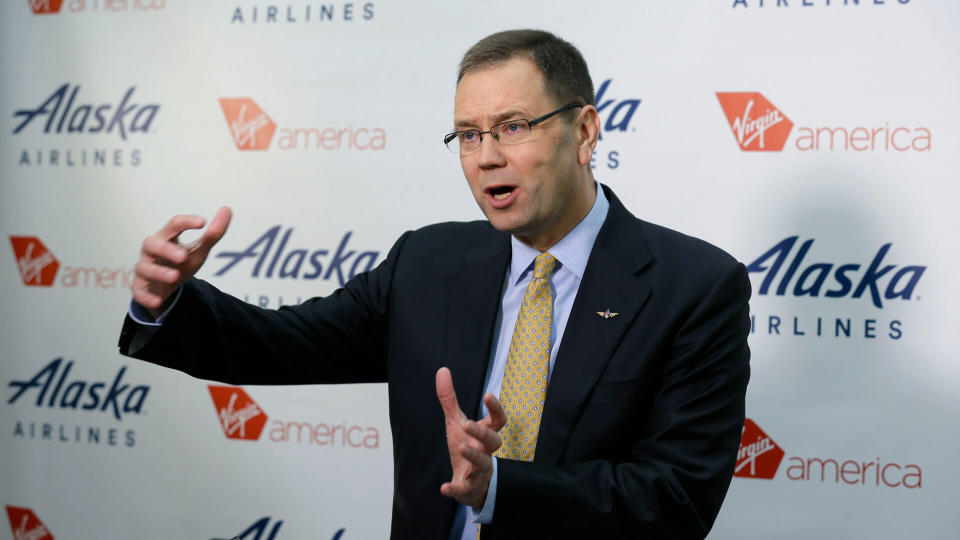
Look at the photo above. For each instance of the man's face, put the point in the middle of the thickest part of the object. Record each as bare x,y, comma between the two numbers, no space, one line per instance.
526,189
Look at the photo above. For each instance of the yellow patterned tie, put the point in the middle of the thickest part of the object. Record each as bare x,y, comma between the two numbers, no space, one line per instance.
524,386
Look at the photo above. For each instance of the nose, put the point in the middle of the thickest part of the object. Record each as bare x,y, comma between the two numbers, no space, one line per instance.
490,155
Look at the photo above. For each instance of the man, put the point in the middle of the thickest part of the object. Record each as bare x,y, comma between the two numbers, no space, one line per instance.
611,353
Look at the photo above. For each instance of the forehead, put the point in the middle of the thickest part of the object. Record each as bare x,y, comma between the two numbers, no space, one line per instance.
486,93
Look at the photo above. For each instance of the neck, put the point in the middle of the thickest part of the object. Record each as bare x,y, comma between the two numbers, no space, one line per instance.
582,202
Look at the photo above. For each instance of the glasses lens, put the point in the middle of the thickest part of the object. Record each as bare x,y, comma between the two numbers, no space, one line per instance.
452,143
513,132
469,141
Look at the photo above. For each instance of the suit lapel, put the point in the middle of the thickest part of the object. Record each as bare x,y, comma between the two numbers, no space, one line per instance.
473,293
609,282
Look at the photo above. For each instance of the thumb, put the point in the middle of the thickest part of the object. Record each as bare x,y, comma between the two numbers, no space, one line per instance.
497,417
447,395
216,230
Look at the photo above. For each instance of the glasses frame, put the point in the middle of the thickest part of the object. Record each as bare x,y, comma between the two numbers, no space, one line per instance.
530,124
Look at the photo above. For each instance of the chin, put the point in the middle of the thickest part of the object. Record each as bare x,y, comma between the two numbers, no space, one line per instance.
502,223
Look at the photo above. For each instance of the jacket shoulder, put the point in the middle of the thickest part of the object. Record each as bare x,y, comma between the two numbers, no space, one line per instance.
444,245
668,245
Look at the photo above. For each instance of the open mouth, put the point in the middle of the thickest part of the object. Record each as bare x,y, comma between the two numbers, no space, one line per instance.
501,192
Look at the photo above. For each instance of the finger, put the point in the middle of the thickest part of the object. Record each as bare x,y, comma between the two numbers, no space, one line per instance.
447,395
447,490
488,438
153,272
147,299
152,293
481,461
216,230
496,417
157,248
178,224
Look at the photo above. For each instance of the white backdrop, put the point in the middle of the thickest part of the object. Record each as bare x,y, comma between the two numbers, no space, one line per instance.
863,415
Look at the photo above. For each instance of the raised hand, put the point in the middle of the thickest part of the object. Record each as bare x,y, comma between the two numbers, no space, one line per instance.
165,263
470,444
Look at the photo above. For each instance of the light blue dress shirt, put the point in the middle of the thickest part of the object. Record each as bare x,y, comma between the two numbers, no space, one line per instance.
572,252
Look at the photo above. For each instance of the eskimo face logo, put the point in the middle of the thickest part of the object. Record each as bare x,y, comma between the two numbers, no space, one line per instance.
38,267
44,7
240,416
26,525
250,127
759,456
757,125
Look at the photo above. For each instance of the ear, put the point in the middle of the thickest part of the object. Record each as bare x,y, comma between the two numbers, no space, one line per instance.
588,132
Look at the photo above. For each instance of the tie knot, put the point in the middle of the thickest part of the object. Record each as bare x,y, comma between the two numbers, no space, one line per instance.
543,265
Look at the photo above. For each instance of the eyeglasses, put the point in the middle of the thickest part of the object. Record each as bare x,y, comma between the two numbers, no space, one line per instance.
510,132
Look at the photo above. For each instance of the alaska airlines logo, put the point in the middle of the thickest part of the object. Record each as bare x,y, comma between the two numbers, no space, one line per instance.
78,394
299,263
252,129
26,525
619,114
38,267
325,12
813,279
759,456
807,3
757,125
261,530
124,117
240,416
616,116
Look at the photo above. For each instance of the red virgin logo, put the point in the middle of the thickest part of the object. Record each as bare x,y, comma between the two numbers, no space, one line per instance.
757,125
759,456
26,525
45,7
250,127
240,416
38,267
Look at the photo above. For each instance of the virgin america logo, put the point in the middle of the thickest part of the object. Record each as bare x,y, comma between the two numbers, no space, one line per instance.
240,416
759,456
44,7
250,127
757,125
26,525
38,267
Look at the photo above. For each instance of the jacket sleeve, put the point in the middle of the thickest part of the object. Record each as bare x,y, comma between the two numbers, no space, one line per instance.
211,335
680,464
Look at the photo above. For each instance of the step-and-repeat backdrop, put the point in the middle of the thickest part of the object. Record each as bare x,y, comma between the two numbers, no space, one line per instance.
815,140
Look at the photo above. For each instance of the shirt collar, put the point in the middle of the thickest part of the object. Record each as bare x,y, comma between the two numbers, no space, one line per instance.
572,250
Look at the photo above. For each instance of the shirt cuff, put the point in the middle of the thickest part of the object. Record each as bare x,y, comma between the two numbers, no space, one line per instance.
485,515
141,316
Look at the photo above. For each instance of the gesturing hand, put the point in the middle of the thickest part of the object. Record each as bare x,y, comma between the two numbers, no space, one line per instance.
165,264
470,443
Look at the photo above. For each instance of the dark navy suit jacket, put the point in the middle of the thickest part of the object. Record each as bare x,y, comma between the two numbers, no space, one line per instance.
643,414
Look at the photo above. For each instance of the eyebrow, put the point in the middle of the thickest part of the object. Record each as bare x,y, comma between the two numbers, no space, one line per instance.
497,118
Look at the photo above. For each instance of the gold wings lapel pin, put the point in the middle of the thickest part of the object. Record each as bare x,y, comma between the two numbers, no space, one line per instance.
607,314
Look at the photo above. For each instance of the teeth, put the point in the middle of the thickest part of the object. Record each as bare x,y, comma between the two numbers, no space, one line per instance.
501,196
